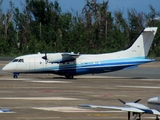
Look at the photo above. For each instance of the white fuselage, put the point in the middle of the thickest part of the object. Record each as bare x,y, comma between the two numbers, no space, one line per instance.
84,64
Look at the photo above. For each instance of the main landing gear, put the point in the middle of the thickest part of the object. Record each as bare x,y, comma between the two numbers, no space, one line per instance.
15,75
68,76
138,116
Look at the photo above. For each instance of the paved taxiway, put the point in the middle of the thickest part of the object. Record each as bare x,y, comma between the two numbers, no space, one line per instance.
50,97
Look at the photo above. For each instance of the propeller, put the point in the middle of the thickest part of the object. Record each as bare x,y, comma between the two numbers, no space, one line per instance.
129,111
137,100
121,101
125,103
45,57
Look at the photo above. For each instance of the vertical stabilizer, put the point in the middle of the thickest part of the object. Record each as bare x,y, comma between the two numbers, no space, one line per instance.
141,46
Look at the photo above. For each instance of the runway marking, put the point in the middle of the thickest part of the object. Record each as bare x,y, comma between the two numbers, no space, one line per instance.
27,79
151,87
64,109
38,98
96,76
54,91
103,95
101,114
6,112
51,81
71,109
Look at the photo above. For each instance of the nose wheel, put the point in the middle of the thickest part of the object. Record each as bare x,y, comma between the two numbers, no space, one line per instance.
15,75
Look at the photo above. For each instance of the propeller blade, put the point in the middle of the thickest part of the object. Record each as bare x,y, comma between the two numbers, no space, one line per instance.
45,57
121,101
137,100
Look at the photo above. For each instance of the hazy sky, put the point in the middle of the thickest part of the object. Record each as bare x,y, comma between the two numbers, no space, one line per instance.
77,5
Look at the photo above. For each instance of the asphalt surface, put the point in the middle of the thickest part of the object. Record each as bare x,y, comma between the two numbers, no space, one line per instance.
51,97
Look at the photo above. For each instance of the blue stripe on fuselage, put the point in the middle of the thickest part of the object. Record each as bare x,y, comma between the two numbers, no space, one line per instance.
100,66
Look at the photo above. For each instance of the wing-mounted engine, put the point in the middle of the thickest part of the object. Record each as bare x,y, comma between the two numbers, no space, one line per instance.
60,57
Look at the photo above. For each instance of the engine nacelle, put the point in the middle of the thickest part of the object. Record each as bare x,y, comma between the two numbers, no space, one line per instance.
154,103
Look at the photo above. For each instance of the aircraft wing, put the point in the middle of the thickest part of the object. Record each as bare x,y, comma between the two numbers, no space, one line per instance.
70,55
67,57
129,109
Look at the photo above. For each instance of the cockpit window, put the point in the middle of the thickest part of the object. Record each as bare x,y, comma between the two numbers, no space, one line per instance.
18,60
15,60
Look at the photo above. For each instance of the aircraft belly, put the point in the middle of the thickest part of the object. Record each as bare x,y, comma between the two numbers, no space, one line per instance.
90,69
100,69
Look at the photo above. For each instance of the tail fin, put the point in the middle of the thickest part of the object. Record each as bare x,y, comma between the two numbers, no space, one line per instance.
141,46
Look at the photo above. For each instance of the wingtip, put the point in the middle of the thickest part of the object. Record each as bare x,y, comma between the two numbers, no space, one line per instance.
5,110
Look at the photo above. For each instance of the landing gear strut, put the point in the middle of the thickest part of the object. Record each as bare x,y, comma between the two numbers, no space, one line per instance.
15,75
157,117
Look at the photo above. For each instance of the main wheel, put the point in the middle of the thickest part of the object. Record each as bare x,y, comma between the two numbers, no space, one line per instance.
68,76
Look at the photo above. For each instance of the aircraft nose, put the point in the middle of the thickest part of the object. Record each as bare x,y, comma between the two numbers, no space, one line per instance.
6,68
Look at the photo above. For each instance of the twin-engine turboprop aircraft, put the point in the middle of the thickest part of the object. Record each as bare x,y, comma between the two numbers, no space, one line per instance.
70,64
136,108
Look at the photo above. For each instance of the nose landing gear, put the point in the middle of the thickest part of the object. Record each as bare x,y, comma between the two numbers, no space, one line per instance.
15,75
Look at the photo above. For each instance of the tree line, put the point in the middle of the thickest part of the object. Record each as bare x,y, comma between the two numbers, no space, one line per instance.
41,26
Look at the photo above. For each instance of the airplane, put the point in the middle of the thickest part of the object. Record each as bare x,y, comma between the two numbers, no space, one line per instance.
71,64
136,108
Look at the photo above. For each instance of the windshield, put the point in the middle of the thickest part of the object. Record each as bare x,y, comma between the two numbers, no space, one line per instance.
18,60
